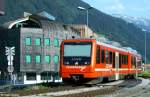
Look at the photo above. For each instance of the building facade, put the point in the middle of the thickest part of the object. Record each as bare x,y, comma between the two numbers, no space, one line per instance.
84,30
38,43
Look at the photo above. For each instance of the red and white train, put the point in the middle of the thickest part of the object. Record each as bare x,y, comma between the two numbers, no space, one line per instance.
88,59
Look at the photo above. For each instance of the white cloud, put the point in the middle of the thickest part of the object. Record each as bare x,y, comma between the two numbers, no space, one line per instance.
140,9
137,9
115,6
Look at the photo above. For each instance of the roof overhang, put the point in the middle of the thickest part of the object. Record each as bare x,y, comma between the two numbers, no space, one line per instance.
1,13
17,21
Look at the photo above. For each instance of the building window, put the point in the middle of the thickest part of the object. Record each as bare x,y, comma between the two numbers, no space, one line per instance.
28,41
38,41
47,41
28,59
18,25
47,59
56,59
56,42
46,76
31,76
37,58
57,77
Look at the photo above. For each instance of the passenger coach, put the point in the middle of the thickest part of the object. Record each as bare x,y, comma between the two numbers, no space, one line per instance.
88,59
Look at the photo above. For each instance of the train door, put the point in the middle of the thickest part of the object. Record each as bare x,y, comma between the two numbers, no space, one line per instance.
117,66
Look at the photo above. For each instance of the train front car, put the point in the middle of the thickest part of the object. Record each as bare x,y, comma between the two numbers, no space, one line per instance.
90,61
77,59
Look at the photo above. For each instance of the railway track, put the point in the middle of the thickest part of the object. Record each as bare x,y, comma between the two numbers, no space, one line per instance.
76,91
131,88
121,88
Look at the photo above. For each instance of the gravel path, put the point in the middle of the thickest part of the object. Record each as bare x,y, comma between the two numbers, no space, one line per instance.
140,90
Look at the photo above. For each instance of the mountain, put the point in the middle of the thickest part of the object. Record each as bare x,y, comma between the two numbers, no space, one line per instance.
141,22
66,11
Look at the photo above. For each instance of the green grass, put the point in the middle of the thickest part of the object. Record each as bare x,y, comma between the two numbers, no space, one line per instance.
36,89
145,74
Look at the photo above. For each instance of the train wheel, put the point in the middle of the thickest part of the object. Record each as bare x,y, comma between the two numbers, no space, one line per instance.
130,76
67,80
133,76
105,79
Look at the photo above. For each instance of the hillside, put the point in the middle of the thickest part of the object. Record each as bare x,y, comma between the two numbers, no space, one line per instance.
141,22
66,11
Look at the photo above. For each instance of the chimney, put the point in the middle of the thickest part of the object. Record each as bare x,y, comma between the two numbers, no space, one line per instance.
26,14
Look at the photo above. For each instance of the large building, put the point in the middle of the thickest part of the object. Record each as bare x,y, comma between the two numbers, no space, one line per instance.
36,39
84,30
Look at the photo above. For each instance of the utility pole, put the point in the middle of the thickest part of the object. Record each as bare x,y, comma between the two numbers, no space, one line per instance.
87,13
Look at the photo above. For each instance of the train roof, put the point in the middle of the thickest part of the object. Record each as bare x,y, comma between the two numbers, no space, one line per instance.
123,49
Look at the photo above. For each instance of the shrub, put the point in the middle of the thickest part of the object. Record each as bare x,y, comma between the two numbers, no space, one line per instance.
146,74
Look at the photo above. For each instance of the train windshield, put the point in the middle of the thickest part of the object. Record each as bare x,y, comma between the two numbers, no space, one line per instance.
77,53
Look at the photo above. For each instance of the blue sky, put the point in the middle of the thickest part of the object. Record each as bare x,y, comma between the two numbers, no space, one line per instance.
138,8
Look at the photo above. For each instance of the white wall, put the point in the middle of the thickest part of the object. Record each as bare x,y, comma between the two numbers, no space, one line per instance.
38,80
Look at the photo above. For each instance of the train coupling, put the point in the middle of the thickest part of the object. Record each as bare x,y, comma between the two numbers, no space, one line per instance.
76,77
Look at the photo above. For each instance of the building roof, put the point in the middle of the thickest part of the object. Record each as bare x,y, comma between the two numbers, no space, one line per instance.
1,13
46,15
37,17
10,24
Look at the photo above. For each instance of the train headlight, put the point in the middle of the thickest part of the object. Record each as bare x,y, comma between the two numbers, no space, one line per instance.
85,62
67,63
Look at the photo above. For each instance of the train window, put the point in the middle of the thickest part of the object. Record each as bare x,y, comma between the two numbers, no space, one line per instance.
77,53
123,59
133,61
113,59
98,55
103,56
126,60
139,63
110,57
120,58
107,56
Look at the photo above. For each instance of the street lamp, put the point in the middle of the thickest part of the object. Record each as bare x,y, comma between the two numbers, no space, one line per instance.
87,13
145,43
